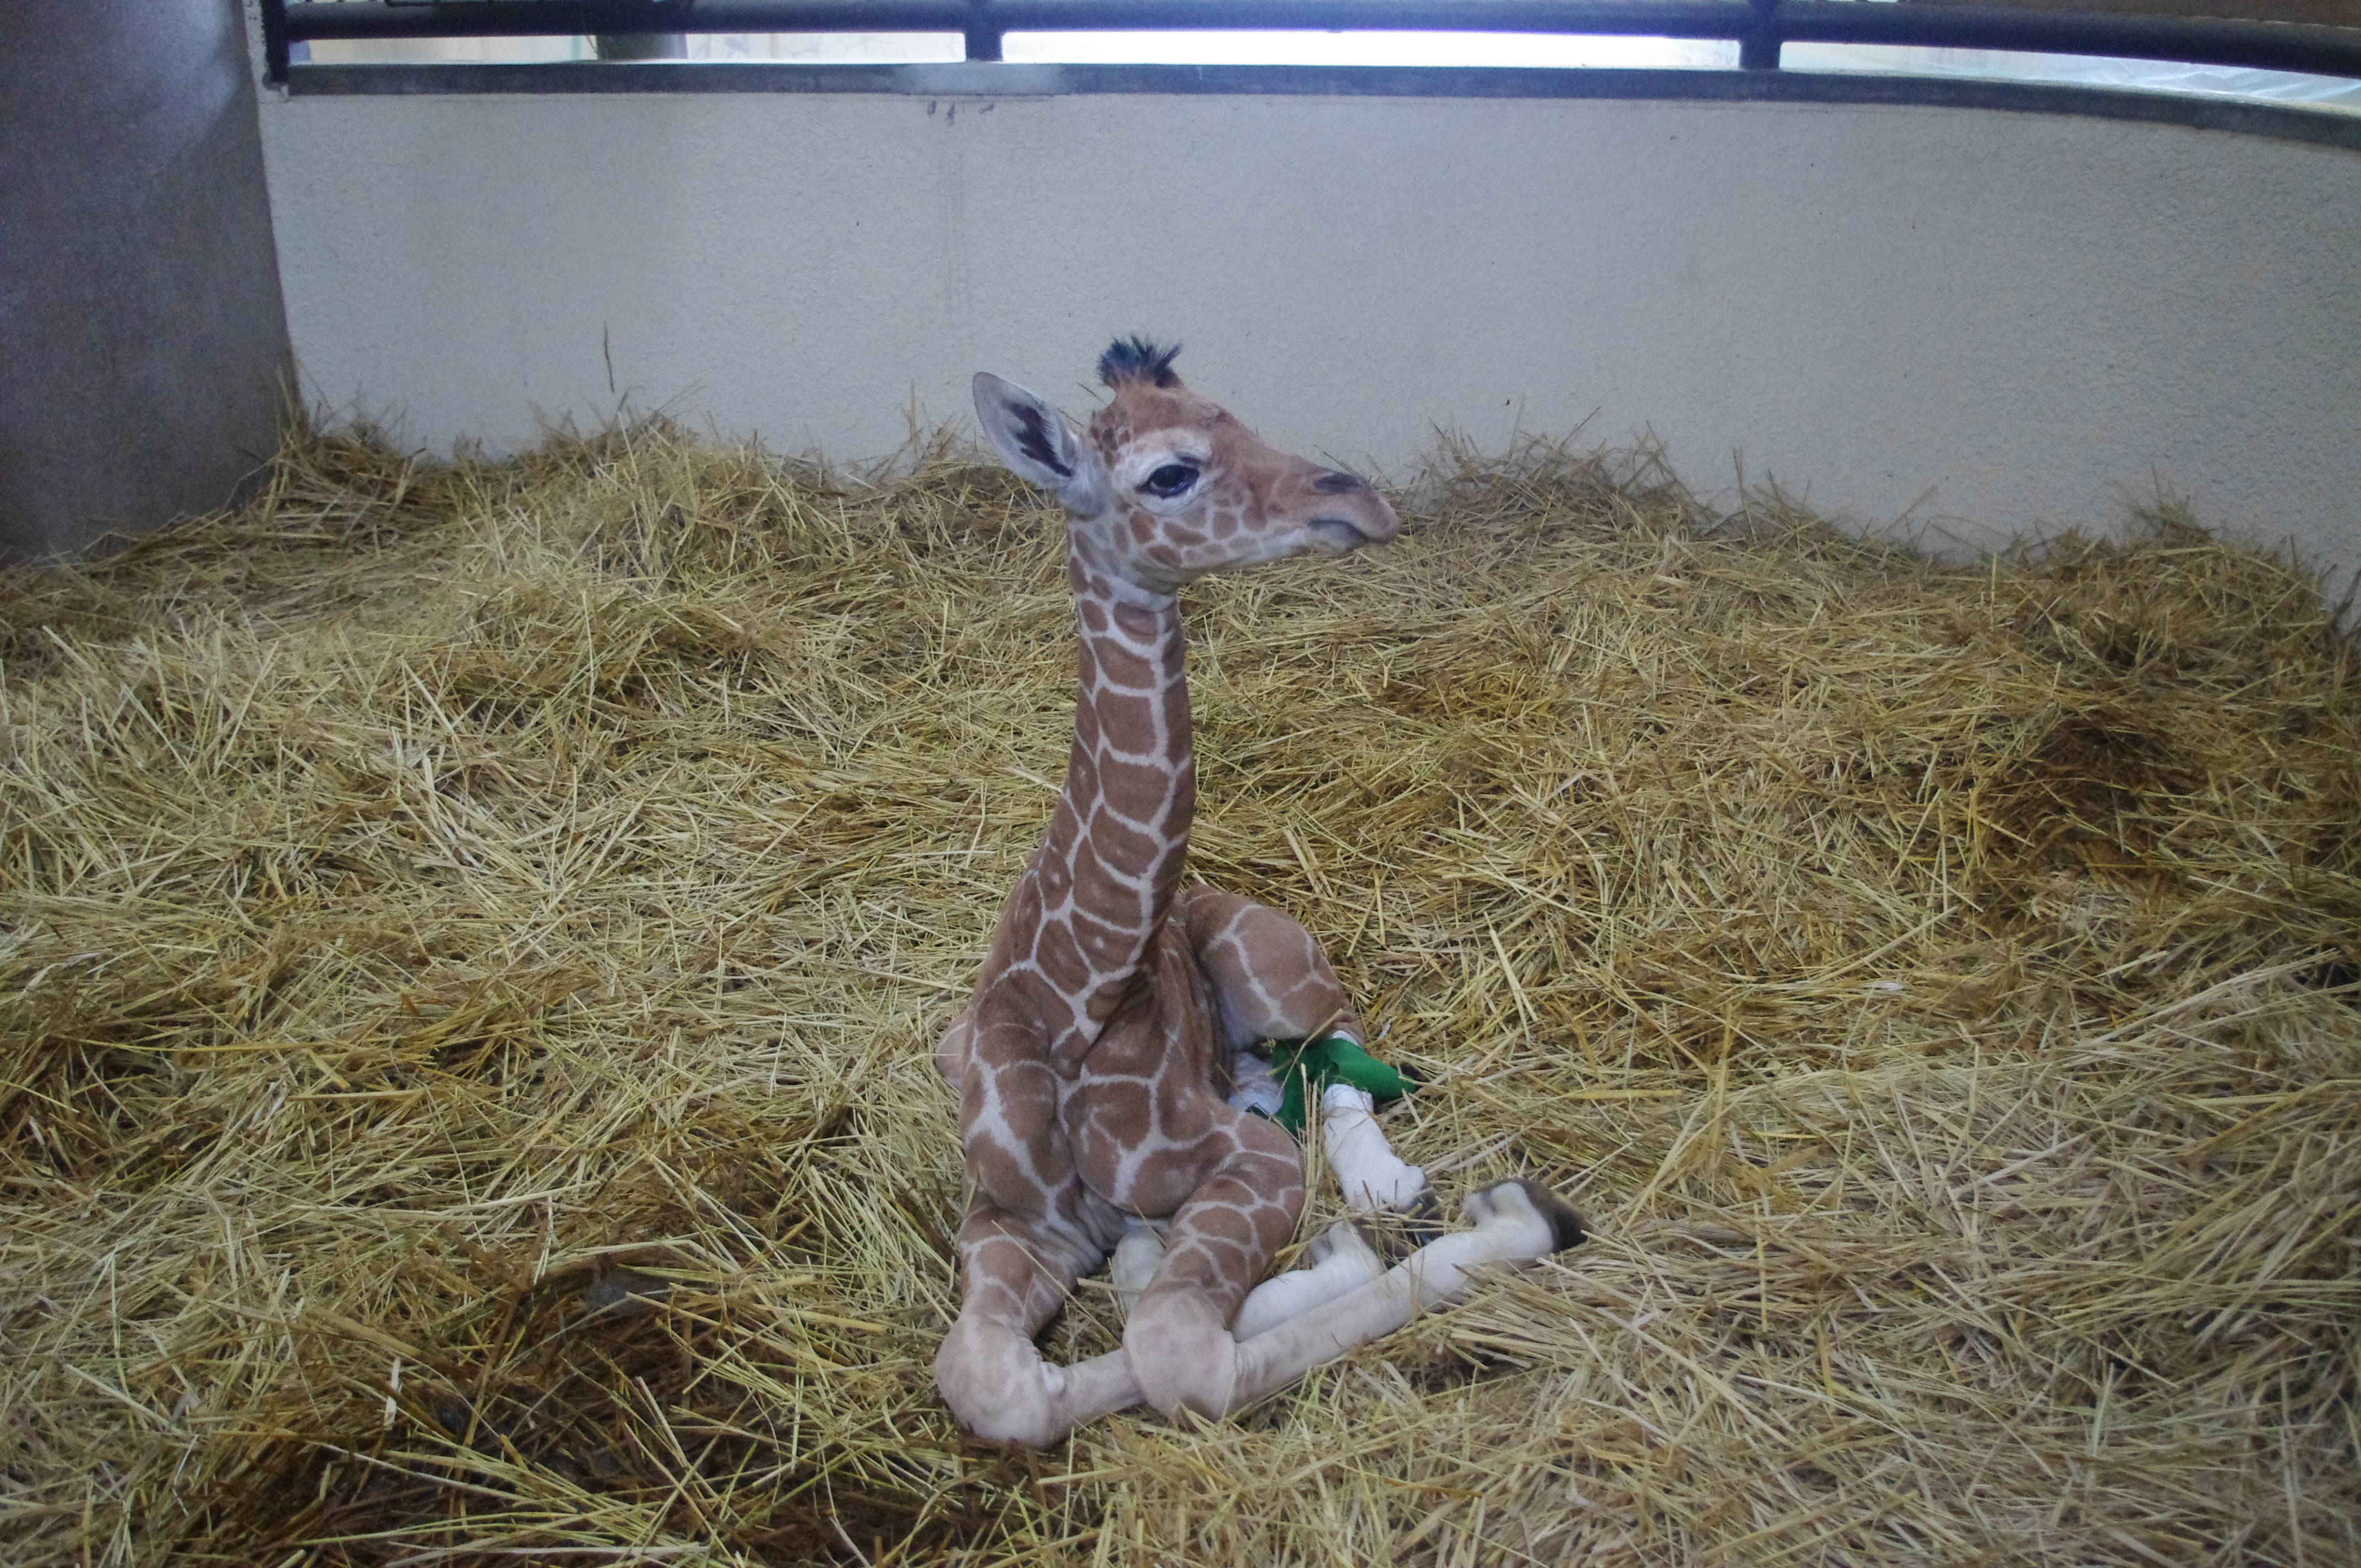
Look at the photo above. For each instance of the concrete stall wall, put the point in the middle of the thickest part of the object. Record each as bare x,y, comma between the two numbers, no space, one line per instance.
143,348
1950,321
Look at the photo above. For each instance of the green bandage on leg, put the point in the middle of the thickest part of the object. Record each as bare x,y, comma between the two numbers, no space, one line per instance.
1305,1068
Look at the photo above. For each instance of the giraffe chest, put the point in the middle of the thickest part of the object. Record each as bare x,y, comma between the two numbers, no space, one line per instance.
1145,1117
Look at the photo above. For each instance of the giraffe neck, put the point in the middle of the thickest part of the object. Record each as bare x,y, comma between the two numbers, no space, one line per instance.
1106,872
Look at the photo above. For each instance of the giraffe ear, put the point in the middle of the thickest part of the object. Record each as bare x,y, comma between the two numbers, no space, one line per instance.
1039,445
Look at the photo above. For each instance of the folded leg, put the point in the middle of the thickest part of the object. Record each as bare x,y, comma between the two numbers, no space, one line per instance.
1271,981
1032,1228
1136,1259
1242,1211
1176,1356
1341,1263
1371,1175
1017,1271
1514,1222
1270,978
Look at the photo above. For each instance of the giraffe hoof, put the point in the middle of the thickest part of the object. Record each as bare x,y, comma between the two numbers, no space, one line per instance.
1403,1231
1343,1237
1566,1225
1520,1201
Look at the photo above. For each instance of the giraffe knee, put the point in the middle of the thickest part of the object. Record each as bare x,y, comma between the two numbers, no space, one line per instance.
1271,981
950,1051
1182,1355
997,1385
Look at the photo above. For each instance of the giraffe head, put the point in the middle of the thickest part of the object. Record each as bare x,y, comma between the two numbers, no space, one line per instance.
1164,485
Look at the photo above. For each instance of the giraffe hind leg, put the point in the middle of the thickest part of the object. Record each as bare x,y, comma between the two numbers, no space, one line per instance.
1515,1223
1179,1366
1272,981
1338,1260
1341,1263
1270,978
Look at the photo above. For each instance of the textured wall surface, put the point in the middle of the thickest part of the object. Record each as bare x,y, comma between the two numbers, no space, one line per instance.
143,348
1950,321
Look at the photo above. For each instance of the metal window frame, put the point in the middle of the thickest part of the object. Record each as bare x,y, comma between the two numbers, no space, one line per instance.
1760,27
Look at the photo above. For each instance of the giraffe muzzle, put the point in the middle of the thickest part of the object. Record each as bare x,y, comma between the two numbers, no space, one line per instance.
1358,515
1339,535
1336,536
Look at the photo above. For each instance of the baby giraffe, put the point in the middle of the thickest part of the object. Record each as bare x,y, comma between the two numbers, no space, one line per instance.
1092,1060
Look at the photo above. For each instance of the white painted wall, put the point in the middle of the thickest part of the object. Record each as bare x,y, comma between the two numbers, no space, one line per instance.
1989,323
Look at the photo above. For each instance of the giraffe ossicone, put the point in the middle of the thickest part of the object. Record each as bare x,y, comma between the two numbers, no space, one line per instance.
1093,1058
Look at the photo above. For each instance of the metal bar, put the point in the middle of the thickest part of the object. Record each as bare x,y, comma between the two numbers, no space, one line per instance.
1758,46
275,51
2284,122
2263,46
2273,46
640,46
983,32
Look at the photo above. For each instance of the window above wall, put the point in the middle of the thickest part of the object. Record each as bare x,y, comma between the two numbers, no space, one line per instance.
2305,52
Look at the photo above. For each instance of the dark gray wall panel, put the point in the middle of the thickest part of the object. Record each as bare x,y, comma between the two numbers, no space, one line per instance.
143,343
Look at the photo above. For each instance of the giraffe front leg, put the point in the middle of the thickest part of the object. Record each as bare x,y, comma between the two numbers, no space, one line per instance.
1221,1241
988,1369
1516,1222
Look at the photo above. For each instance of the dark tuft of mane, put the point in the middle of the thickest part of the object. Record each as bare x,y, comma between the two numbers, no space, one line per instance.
1136,360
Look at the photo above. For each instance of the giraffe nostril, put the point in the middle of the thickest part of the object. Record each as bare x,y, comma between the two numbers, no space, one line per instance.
1339,483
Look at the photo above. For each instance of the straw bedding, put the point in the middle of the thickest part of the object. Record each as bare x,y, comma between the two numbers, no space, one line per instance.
474,935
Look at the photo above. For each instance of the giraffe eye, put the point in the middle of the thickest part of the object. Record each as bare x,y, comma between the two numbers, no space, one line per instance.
1172,479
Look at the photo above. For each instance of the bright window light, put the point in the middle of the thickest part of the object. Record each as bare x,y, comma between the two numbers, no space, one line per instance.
1365,49
2079,70
830,48
444,52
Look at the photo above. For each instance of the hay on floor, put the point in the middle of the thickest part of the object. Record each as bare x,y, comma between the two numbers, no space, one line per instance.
471,938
